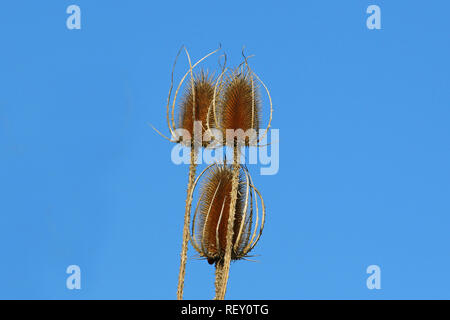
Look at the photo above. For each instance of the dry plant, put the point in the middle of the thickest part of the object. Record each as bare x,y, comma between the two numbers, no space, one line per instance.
227,226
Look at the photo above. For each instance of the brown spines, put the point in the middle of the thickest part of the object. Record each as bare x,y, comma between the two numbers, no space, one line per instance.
214,211
240,107
200,96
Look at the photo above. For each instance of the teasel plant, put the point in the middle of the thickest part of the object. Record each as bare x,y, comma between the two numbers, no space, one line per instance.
236,109
232,103
194,106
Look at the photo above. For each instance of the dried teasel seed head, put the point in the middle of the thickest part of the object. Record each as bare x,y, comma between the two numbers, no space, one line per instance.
210,222
214,211
197,99
241,106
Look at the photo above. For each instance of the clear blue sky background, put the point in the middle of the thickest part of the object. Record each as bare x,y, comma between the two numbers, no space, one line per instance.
364,148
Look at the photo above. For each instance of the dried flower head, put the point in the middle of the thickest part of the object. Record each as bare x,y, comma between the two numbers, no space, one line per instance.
241,104
238,110
196,102
202,83
209,225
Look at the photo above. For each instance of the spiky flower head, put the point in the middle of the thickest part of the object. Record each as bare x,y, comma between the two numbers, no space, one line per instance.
195,105
240,107
209,225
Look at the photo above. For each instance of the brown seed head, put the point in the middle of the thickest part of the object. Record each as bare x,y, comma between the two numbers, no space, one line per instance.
214,211
210,222
240,106
200,102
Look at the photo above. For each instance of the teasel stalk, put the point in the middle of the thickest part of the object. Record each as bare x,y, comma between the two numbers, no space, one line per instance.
209,231
194,107
240,109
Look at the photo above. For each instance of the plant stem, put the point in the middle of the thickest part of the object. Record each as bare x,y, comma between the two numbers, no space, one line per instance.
219,277
187,218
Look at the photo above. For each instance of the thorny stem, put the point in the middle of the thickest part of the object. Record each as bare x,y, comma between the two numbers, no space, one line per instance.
187,217
219,278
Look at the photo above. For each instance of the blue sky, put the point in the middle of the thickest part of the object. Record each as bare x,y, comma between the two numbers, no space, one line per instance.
364,173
